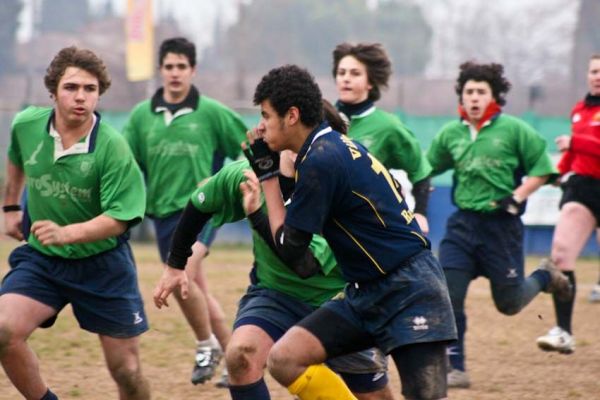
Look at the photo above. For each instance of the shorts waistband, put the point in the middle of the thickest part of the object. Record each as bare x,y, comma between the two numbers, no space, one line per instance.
402,264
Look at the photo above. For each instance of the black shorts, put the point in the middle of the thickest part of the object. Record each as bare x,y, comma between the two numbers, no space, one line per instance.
584,190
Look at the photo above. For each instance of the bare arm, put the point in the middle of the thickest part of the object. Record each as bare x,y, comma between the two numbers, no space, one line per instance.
530,185
98,228
15,181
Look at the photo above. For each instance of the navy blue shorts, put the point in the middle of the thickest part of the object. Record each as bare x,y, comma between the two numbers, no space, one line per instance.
482,244
165,228
275,313
102,289
409,305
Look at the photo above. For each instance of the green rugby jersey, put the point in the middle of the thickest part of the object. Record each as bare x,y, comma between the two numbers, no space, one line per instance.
392,143
220,195
96,176
176,154
489,167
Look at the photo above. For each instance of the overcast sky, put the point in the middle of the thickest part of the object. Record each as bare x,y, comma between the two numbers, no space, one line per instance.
535,34
196,17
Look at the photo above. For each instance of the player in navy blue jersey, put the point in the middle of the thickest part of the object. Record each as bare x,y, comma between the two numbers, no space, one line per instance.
396,298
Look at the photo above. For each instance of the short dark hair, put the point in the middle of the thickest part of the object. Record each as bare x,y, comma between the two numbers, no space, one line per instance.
374,57
178,45
490,73
291,86
84,59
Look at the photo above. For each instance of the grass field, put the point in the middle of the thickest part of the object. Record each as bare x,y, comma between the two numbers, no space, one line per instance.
502,358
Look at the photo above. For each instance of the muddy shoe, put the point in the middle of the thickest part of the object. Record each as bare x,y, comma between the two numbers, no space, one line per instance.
559,283
557,339
458,379
207,360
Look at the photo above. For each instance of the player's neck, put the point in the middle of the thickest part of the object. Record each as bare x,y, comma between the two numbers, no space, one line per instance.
71,132
175,97
299,138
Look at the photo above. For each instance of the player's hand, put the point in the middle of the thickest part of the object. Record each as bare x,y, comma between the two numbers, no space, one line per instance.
509,204
423,224
48,233
264,161
171,279
251,191
286,163
563,142
12,224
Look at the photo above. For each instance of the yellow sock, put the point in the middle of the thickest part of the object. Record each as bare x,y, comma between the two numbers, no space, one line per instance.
320,383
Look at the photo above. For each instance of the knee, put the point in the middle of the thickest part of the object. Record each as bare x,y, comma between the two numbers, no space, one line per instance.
278,361
240,359
508,306
128,377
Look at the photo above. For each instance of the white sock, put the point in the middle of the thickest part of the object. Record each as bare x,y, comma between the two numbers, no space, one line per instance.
210,342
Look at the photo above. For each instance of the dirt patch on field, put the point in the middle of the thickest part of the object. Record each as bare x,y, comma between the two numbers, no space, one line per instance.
502,358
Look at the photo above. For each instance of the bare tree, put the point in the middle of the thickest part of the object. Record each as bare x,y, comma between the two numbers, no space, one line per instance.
533,39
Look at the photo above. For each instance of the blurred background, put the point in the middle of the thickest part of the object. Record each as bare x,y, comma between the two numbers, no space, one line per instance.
544,46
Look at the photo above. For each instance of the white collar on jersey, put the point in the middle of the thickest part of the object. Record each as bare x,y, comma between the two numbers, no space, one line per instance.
322,132
363,114
77,148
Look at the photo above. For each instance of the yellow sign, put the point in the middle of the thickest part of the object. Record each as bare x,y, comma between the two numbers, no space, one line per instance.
139,32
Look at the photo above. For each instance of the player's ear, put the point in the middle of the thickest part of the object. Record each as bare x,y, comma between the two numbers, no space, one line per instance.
293,115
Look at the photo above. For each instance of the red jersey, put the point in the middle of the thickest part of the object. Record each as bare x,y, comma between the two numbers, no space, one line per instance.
583,156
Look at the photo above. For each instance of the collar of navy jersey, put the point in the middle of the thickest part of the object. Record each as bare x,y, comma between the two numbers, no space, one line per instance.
319,131
93,134
158,103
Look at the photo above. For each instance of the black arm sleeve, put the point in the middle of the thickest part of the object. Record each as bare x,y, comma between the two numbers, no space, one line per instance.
294,251
287,186
292,247
260,223
420,192
190,224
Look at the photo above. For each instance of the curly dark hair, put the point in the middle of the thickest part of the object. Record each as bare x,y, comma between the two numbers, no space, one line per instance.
80,58
177,45
291,86
374,57
490,73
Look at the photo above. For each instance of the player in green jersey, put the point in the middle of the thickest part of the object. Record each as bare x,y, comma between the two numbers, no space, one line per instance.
180,137
84,192
277,297
361,71
490,153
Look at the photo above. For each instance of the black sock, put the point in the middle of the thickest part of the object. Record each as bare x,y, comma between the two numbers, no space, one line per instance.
49,396
564,309
254,391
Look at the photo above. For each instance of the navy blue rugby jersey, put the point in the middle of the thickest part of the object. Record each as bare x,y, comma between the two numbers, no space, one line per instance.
348,196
